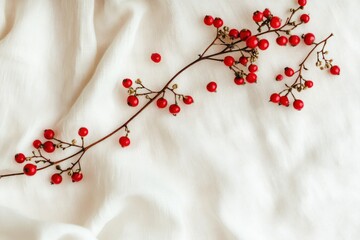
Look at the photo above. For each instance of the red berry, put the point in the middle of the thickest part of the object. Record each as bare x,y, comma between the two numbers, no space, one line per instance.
229,61
20,158
208,20
161,102
234,33
252,42
282,40
243,60
239,81
155,57
127,82
56,178
124,141
218,22
29,169
49,147
305,18
298,104
267,13
174,109
284,101
309,38
251,78
76,177
132,101
253,68
37,143
294,40
83,132
289,71
263,44
335,70
258,16
279,77
49,134
275,22
309,84
244,34
275,98
302,2
188,100
211,86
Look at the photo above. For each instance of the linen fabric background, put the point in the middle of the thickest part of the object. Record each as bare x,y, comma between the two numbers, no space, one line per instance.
230,166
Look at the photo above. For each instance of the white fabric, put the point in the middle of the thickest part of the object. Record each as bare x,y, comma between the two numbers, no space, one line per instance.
231,166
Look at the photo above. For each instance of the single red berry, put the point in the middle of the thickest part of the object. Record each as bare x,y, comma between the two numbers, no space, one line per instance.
335,70
20,158
76,177
305,18
243,60
258,16
124,141
155,57
275,98
127,82
234,33
161,102
49,147
56,178
211,86
302,2
284,101
279,77
263,44
37,143
49,134
29,169
282,40
174,109
294,40
309,38
244,34
253,68
309,84
239,81
218,22
289,71
275,22
251,78
298,104
267,13
252,42
132,101
208,20
188,100
83,132
229,61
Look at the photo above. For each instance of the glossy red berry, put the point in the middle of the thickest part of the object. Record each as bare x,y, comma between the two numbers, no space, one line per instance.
267,13
298,104
239,81
124,141
77,177
132,101
335,70
156,57
275,98
56,178
243,60
253,68
252,42
251,78
211,86
309,38
309,84
229,61
244,34
208,20
37,143
305,18
174,109
218,22
83,132
275,22
20,158
188,100
284,100
29,169
279,77
282,40
289,71
258,16
49,134
234,33
294,40
127,82
302,2
161,102
263,44
49,146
